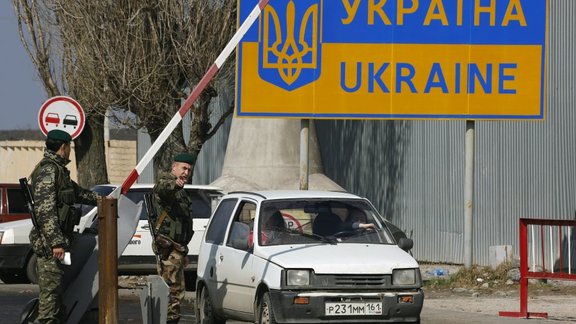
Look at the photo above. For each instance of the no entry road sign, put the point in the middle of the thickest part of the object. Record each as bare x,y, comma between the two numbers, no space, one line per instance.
63,113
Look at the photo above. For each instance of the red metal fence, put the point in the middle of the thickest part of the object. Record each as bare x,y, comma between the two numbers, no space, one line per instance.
552,245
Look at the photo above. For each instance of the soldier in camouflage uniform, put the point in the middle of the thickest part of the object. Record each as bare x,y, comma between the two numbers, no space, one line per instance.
173,228
54,195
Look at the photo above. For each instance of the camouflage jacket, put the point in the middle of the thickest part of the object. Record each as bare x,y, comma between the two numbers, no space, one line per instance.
176,203
48,179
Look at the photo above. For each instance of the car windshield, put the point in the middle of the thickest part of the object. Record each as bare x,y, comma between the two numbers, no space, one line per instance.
331,221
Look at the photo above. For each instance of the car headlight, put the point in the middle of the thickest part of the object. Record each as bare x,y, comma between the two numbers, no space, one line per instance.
297,277
404,277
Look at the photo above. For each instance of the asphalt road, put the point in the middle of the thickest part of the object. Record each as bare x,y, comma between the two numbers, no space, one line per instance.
13,298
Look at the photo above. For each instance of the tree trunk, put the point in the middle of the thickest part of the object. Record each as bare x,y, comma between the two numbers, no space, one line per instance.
90,153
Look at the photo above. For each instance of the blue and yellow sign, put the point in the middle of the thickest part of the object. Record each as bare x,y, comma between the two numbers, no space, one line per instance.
394,59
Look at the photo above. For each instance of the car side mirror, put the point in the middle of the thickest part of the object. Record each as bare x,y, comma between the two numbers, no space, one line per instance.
405,244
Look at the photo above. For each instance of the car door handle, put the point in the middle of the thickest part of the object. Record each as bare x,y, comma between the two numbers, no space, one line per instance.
221,258
146,227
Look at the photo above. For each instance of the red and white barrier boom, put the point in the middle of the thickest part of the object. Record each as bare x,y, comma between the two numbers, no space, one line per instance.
193,96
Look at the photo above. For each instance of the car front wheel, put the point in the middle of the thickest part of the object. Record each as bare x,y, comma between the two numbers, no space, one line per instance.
205,310
266,310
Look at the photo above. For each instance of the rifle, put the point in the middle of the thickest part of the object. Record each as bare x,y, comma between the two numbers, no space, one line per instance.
30,204
152,217
29,200
163,245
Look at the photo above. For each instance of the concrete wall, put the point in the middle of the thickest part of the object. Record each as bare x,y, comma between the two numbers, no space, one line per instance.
18,158
120,159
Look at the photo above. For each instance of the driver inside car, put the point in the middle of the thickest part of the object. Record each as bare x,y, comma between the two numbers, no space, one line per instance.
273,228
328,223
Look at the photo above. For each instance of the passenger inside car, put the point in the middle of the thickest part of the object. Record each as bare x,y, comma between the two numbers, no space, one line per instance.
273,228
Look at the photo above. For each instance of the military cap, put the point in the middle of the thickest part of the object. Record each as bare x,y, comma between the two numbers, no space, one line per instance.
185,157
59,135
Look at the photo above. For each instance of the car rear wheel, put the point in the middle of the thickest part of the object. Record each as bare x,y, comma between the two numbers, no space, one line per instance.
31,269
205,310
266,310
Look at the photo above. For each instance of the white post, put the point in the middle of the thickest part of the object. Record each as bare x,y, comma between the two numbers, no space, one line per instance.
533,248
304,139
569,250
551,250
468,192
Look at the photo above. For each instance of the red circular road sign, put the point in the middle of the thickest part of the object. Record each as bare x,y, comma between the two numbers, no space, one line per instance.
63,113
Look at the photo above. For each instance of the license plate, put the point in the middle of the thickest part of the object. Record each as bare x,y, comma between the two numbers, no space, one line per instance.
353,308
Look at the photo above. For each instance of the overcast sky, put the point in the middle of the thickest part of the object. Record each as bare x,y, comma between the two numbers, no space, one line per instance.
21,92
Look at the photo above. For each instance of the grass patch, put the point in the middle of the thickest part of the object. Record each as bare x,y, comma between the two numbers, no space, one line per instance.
473,277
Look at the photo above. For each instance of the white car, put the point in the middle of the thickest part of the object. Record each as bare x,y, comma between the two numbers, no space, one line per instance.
304,257
17,260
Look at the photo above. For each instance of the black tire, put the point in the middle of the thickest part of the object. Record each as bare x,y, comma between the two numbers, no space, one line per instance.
266,311
31,273
205,310
30,312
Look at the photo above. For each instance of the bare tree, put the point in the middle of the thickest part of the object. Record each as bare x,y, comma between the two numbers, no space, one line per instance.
143,57
150,54
40,36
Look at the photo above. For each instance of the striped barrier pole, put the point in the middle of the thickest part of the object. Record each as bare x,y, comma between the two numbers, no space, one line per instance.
193,96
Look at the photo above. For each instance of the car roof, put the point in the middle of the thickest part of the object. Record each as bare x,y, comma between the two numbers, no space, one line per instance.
296,194
151,185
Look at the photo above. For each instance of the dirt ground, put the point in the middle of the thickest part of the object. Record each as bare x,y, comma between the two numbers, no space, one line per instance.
489,295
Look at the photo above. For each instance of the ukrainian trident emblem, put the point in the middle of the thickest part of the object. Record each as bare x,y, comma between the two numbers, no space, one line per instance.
289,46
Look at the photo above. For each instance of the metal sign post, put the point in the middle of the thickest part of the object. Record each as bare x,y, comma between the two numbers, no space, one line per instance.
468,192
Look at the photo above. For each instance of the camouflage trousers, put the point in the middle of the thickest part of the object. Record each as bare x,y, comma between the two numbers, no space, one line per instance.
172,271
50,308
